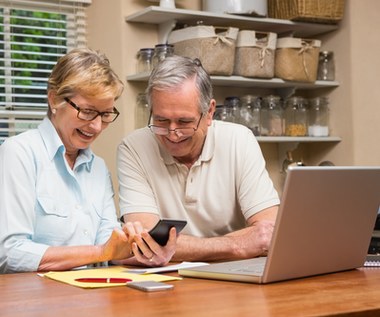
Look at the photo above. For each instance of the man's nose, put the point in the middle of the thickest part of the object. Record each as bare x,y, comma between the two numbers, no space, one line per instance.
174,134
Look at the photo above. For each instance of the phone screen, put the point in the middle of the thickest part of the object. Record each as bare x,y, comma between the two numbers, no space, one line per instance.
160,232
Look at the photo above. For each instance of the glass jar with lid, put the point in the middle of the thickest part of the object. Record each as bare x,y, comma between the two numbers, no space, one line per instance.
250,113
295,116
142,111
233,105
222,113
161,51
144,60
326,66
319,117
271,116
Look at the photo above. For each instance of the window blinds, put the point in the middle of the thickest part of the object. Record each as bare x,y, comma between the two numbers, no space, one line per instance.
33,35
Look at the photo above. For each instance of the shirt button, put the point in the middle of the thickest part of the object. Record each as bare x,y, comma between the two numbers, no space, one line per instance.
77,207
85,232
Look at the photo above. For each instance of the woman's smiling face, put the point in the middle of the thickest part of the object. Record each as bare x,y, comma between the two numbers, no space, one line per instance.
75,133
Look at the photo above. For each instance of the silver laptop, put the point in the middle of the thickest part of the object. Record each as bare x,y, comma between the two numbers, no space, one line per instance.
324,225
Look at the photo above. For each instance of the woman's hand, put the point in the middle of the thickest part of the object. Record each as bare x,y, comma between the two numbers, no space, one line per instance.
117,247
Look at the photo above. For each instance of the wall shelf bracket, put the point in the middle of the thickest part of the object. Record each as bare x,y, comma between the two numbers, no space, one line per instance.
164,30
285,92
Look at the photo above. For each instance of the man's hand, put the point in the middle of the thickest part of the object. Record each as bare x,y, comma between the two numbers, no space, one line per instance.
254,240
145,249
251,241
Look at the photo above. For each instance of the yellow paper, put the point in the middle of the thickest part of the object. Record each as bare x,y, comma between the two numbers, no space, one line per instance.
69,277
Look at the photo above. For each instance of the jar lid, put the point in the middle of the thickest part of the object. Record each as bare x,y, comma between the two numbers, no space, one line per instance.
249,98
145,52
252,101
232,101
272,98
326,53
296,101
163,45
319,101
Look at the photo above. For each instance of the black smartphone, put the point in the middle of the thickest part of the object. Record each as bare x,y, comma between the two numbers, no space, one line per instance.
160,232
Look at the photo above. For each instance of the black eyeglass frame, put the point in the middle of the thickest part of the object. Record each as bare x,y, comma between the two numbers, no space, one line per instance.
150,126
96,113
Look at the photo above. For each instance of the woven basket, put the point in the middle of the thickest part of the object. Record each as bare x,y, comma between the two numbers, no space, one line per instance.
320,11
254,55
215,47
297,59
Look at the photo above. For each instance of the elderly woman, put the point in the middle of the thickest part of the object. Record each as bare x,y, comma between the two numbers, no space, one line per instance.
57,208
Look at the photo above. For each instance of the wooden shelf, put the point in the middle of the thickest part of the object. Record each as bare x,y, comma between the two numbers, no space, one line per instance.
158,15
290,139
238,81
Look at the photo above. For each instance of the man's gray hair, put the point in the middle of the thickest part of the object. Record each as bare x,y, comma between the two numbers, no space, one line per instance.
173,71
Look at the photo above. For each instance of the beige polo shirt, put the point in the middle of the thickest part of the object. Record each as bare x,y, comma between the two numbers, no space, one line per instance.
225,186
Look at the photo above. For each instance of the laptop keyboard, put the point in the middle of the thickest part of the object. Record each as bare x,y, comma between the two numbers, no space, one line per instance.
256,269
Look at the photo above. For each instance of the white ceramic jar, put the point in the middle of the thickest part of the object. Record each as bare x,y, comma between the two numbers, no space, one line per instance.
250,7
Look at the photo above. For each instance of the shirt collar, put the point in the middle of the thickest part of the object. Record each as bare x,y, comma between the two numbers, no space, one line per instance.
54,145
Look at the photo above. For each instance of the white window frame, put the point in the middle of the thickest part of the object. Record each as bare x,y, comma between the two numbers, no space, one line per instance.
15,116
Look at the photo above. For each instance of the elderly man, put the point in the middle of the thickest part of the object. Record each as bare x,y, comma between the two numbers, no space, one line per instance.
186,165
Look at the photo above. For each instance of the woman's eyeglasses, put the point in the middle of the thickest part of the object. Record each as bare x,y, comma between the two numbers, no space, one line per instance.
89,114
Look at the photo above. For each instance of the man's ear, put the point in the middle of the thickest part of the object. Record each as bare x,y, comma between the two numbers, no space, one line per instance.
211,111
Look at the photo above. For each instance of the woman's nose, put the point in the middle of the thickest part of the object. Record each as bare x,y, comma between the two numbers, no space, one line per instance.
97,124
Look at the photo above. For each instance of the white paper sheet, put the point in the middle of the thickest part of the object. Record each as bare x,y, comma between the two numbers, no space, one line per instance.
169,268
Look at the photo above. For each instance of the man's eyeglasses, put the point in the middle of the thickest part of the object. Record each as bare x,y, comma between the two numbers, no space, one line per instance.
89,114
180,132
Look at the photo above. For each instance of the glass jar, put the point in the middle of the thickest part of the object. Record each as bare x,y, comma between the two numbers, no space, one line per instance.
250,113
233,107
271,116
142,111
295,116
144,60
161,51
319,117
326,66
222,113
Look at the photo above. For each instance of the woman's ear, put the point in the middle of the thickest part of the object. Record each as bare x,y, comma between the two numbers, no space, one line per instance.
51,98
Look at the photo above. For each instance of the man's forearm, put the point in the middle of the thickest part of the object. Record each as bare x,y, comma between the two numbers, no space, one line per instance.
245,243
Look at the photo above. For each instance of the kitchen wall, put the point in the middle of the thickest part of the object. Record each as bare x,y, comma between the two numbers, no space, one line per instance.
355,108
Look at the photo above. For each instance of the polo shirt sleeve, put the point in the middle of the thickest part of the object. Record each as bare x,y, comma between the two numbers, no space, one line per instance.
136,160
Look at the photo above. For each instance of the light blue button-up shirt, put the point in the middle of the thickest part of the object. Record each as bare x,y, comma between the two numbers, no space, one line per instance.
43,202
